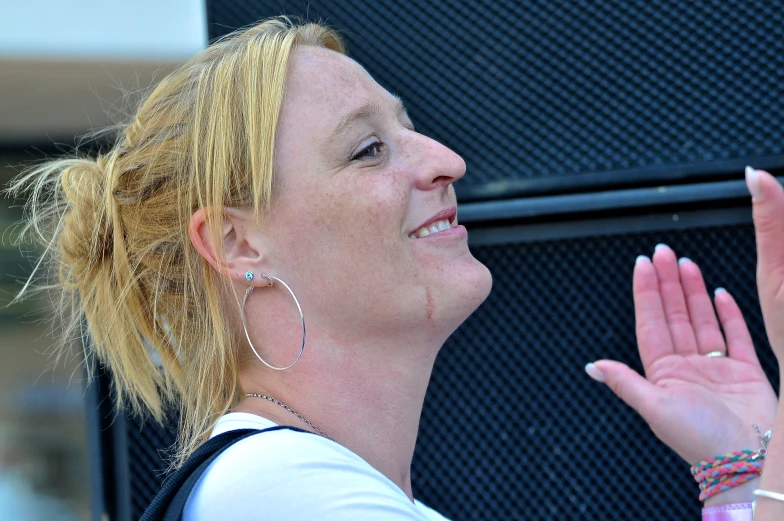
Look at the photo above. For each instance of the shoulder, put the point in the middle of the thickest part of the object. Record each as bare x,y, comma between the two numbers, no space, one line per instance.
286,474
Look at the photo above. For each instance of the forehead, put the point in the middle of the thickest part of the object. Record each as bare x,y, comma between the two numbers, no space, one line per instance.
323,79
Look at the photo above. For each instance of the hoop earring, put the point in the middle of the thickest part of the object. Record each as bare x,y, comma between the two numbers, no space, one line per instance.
249,276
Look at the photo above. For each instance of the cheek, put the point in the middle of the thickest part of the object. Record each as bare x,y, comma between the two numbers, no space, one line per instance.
349,234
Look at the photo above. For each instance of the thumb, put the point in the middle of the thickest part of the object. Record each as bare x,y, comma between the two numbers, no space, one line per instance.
628,385
768,211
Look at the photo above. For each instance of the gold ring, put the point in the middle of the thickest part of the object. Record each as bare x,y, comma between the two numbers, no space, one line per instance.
715,354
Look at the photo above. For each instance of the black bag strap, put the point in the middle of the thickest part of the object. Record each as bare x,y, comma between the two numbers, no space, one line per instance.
169,503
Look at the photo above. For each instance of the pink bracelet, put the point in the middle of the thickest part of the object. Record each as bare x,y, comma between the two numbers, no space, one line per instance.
733,512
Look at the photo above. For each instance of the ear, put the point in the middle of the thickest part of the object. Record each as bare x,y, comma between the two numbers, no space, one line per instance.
237,247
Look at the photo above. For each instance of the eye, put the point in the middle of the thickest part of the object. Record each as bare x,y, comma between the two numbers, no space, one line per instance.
369,152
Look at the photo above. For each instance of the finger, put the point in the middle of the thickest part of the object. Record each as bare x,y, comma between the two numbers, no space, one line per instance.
653,334
768,211
675,311
739,343
703,317
637,392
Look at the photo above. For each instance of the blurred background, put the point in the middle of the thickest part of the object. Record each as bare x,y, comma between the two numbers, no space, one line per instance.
67,67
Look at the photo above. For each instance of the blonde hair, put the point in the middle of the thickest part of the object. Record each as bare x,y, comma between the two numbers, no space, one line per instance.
114,229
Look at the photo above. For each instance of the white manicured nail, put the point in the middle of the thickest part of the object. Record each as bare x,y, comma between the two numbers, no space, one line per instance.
717,291
642,258
683,260
753,183
594,372
661,246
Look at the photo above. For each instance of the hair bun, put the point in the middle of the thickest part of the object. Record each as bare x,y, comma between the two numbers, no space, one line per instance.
86,240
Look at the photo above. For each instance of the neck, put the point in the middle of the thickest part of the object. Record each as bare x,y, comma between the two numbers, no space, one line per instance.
366,395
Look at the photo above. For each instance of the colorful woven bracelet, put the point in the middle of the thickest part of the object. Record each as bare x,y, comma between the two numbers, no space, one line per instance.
724,472
727,482
732,457
736,467
721,473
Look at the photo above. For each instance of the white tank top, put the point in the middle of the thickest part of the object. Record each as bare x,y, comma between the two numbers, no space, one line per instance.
285,475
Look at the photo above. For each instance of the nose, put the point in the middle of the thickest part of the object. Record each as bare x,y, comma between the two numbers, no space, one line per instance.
435,165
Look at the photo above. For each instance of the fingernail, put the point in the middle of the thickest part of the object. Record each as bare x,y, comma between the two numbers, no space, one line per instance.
717,291
642,258
753,183
594,372
661,246
683,260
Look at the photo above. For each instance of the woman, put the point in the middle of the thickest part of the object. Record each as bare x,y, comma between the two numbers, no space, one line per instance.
270,192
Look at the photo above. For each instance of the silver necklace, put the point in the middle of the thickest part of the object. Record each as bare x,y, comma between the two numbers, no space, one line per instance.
292,411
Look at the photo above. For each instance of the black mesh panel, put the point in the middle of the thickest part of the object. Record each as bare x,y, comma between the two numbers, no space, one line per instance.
567,90
513,426
149,448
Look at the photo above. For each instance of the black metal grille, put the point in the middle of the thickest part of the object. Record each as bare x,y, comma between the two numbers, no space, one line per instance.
149,453
559,94
512,428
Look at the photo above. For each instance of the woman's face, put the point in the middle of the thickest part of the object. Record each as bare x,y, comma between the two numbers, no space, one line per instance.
355,189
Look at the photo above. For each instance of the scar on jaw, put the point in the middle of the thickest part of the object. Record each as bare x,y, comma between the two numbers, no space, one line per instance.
430,306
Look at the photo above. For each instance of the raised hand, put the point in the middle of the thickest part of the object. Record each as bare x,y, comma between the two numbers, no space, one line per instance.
698,405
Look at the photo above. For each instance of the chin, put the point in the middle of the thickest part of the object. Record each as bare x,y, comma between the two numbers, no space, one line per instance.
475,286
463,294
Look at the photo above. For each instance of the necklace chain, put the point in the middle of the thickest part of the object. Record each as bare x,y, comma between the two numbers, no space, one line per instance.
292,411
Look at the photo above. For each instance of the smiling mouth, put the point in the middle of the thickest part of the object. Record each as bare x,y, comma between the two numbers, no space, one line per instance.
433,228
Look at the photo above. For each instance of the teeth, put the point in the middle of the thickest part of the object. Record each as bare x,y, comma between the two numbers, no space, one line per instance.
438,226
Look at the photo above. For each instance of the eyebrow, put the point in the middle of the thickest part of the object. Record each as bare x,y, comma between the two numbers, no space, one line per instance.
367,111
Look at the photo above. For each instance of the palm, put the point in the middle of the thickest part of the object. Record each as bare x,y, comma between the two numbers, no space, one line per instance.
709,405
699,406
